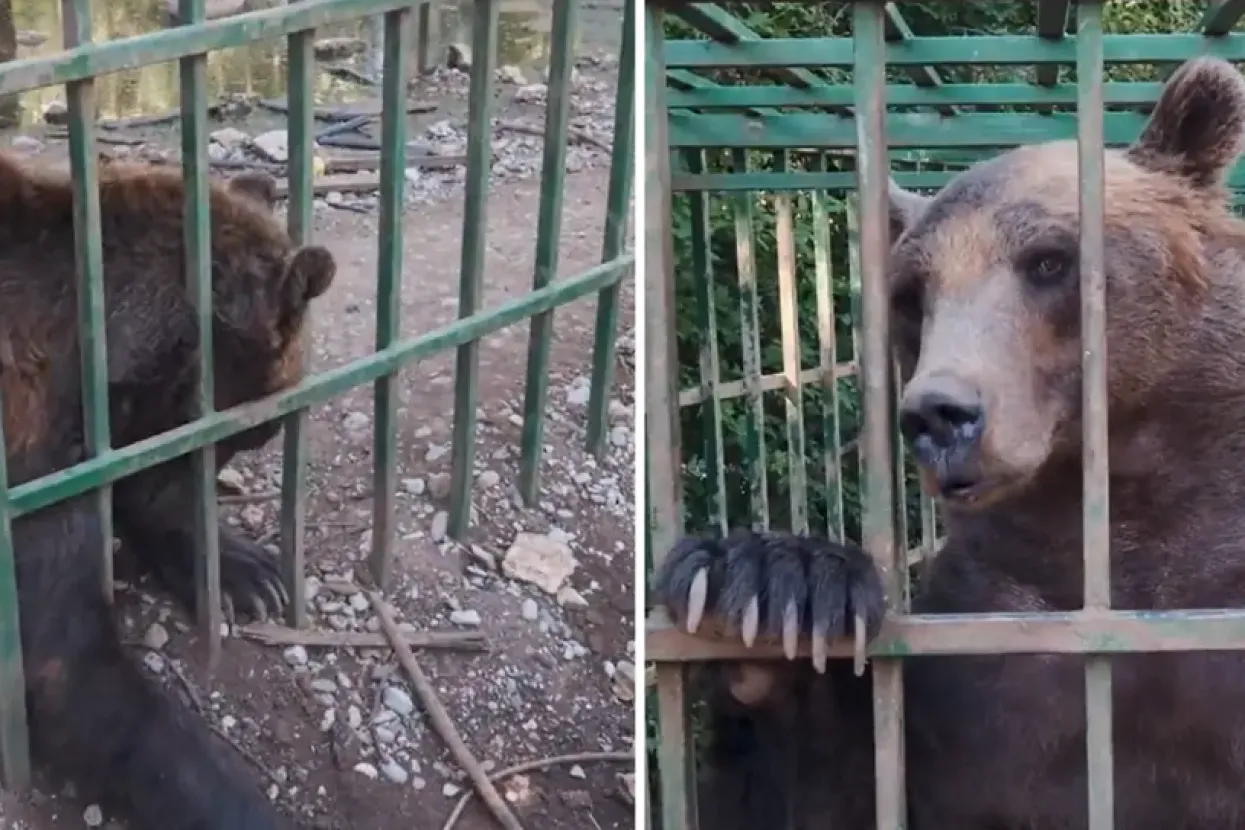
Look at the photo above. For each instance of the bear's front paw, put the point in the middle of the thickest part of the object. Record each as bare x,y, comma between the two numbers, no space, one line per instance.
778,586
250,578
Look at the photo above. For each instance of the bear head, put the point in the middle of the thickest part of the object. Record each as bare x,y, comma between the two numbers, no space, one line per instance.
984,281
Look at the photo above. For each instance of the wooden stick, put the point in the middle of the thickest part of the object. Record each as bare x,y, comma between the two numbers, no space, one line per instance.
440,718
271,634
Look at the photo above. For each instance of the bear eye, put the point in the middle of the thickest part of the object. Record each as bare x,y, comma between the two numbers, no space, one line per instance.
1045,268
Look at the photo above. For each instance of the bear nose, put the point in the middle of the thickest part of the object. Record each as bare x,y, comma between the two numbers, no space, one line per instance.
942,415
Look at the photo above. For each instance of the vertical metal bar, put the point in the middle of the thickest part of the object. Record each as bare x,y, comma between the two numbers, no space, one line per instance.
429,36
14,730
548,238
89,263
869,72
479,165
198,243
300,73
1097,531
663,453
617,210
789,325
828,359
750,341
389,288
707,318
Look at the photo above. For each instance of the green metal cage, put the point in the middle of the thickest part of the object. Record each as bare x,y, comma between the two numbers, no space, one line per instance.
726,94
83,61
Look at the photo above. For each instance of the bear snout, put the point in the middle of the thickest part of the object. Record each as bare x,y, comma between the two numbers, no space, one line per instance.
943,419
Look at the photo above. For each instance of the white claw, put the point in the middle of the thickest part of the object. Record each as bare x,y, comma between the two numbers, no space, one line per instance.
821,644
859,658
790,630
751,622
696,598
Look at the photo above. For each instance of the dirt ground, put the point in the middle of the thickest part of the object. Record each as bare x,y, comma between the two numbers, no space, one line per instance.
331,732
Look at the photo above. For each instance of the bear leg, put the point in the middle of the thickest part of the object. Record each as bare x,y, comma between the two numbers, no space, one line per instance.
94,718
154,513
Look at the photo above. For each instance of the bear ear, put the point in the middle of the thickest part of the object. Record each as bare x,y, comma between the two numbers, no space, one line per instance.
256,186
905,208
1197,128
308,274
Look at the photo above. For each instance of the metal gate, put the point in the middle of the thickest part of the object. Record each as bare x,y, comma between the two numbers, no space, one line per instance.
83,61
828,119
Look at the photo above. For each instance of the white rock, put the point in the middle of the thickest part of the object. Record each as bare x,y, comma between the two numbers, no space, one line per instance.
398,701
364,768
540,560
229,137
489,478
394,771
156,637
440,526
414,486
93,816
530,609
273,145
465,617
296,656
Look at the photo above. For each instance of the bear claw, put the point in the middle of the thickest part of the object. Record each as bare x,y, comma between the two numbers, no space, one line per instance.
696,598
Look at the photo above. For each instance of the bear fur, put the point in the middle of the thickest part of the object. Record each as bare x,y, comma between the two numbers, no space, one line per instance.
94,718
984,282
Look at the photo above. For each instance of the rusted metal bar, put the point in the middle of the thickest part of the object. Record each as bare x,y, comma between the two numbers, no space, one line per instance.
869,73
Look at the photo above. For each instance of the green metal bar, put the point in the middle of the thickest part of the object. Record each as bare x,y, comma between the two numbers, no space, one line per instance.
838,183
664,519
89,264
475,224
171,44
1221,16
816,130
828,358
898,30
389,290
211,429
979,50
617,209
1046,632
710,370
300,74
710,96
1052,20
548,237
750,343
429,37
1097,528
14,729
869,76
789,325
198,242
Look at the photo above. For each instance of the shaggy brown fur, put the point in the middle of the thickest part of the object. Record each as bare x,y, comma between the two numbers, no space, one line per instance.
94,718
986,311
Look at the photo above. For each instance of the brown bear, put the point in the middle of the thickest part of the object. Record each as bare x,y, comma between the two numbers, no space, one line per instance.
984,281
94,718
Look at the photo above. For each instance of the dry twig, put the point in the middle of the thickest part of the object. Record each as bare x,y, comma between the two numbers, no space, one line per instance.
440,718
270,634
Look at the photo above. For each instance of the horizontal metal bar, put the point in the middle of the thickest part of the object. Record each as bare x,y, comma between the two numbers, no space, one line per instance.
115,464
999,50
768,383
913,129
922,635
845,182
178,42
709,96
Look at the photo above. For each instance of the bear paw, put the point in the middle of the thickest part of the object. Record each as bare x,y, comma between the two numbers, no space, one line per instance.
778,586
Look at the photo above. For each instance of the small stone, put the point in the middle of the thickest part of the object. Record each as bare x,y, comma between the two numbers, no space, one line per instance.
435,452
156,637
450,789
154,662
359,602
366,769
578,772
273,145
296,656
394,771
511,74
413,175
489,478
530,610
439,485
324,685
465,617
231,479
252,517
620,436
356,422
578,394
414,486
398,701
93,816
440,526
531,93
230,137
418,783
568,596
